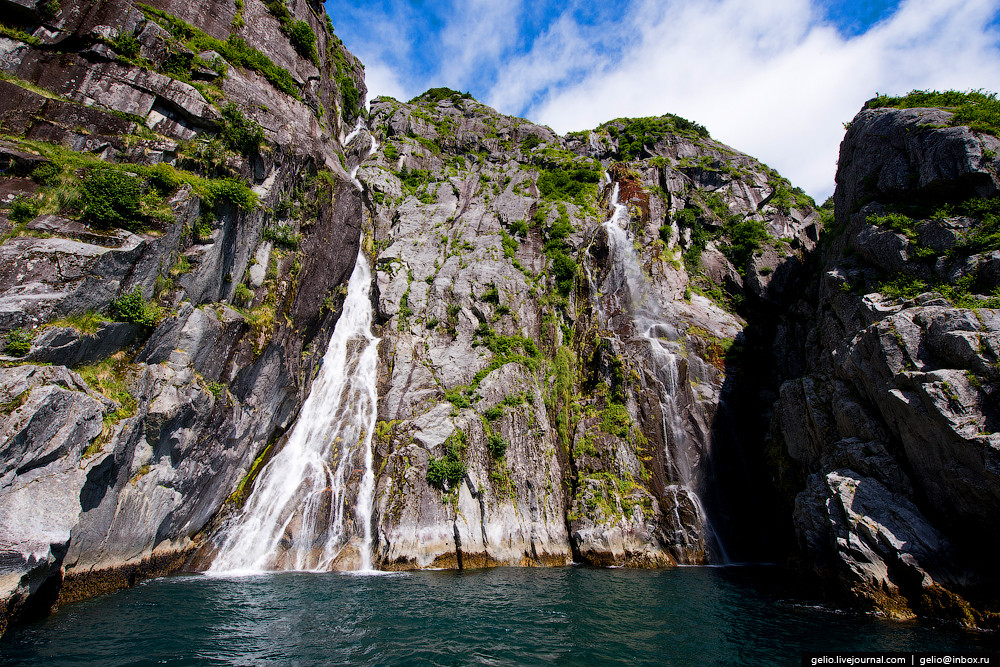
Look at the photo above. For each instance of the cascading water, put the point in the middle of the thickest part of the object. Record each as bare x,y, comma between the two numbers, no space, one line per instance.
650,325
296,518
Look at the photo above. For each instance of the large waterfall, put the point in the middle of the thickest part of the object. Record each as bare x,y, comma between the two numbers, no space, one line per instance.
299,516
650,324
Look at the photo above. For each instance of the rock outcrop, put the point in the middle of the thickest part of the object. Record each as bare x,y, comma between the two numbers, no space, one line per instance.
212,140
892,428
570,368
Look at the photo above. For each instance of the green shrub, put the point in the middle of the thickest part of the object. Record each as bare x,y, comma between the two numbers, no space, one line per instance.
304,40
635,133
616,420
239,132
496,446
24,209
435,95
46,173
494,413
112,197
125,45
390,151
446,472
179,65
18,343
243,294
530,142
164,178
568,184
232,191
132,307
745,238
283,235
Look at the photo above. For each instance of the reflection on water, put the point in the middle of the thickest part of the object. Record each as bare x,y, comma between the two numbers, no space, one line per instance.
504,616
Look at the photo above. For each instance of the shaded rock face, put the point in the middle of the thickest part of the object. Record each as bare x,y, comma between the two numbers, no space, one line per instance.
566,366
892,429
120,442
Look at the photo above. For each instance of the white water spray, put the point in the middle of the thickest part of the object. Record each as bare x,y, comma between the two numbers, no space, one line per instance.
649,324
296,517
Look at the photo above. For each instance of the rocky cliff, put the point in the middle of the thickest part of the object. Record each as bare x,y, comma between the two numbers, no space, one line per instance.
179,225
628,346
891,428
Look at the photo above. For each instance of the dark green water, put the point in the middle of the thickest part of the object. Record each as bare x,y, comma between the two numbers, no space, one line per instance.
565,616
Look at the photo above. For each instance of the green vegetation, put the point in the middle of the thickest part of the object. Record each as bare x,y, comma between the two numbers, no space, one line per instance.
110,377
17,343
24,209
977,109
497,446
568,183
530,142
235,50
634,134
231,191
446,472
239,132
113,197
125,45
435,95
86,323
284,235
132,307
746,237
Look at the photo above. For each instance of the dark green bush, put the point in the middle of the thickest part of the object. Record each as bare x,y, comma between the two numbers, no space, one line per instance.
435,95
179,65
283,235
530,142
446,472
132,307
232,191
239,132
112,197
304,40
46,173
24,209
126,45
164,178
636,133
496,446
745,238
18,343
567,184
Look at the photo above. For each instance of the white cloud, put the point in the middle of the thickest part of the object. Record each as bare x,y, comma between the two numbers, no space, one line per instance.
764,77
383,80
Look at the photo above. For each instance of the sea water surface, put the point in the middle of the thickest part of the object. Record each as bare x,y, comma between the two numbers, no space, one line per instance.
502,616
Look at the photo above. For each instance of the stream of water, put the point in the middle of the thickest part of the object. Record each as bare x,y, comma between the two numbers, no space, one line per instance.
650,324
298,516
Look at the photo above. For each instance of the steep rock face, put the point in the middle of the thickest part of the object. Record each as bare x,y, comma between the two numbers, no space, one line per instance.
236,227
551,382
893,428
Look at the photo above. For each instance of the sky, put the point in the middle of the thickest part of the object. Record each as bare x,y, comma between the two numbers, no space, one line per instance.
773,78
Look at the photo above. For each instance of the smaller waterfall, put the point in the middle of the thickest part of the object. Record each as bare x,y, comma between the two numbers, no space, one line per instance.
649,324
297,516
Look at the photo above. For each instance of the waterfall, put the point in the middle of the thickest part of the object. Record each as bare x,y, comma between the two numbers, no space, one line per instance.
297,515
650,324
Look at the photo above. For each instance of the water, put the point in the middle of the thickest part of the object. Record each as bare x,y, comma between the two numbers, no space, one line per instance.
297,517
626,277
503,616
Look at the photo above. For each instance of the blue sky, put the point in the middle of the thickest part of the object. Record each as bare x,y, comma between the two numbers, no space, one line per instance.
773,78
